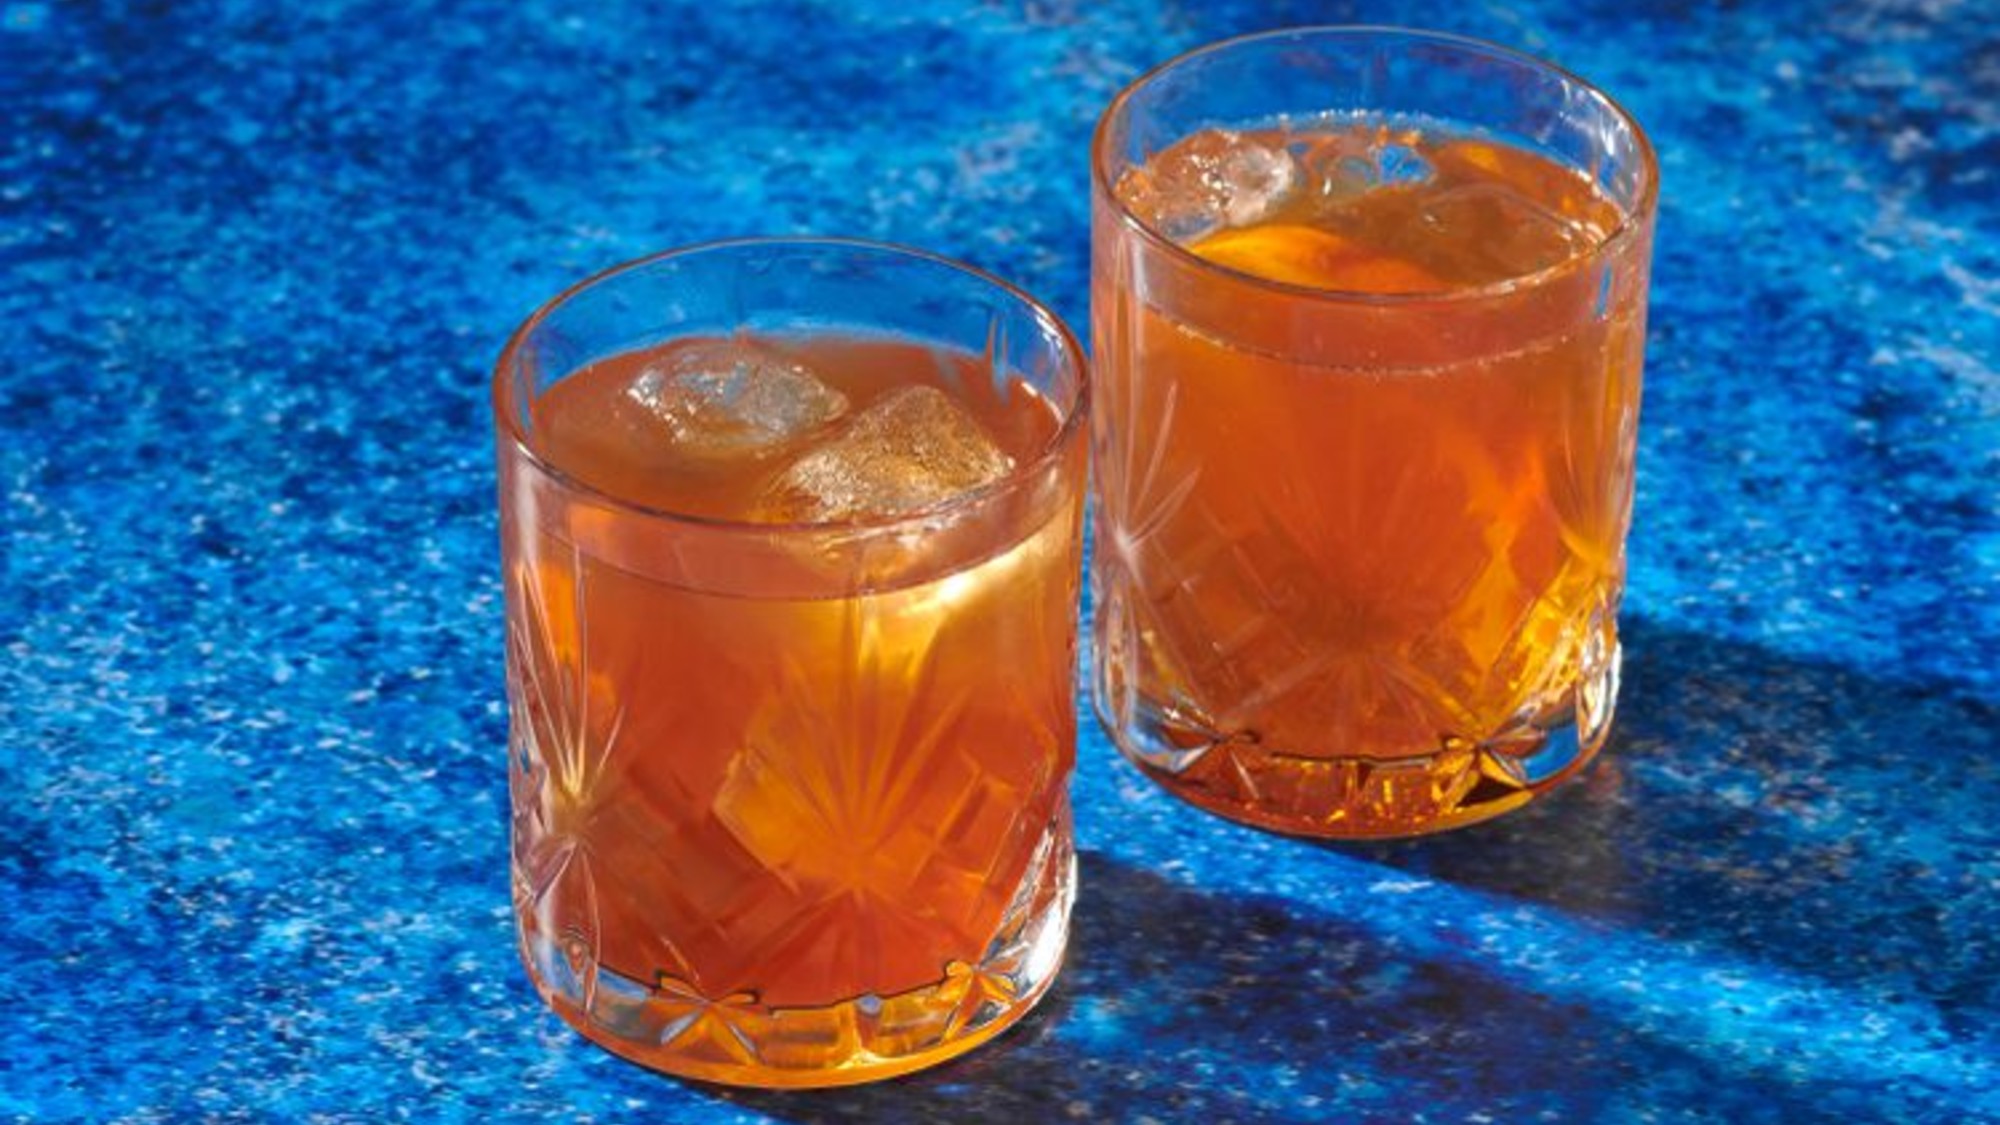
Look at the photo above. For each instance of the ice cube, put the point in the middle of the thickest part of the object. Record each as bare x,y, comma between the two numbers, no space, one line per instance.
1510,234
1212,179
1402,164
728,397
914,448
1337,167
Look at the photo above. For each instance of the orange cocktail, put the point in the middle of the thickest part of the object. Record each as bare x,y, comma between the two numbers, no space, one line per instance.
791,619
1368,394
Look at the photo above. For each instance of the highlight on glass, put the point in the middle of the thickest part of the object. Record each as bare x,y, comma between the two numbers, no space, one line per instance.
1368,315
791,548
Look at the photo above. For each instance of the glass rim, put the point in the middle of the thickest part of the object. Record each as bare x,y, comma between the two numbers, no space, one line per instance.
1068,430
1630,221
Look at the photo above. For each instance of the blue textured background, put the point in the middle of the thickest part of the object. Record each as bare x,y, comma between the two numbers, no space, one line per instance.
258,258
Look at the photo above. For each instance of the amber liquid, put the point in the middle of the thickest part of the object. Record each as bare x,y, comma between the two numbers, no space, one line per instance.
1353,572
786,822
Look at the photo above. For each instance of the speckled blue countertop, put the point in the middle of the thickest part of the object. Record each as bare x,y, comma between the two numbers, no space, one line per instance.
256,260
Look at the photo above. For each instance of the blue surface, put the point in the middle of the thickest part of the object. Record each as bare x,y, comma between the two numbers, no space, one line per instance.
257,261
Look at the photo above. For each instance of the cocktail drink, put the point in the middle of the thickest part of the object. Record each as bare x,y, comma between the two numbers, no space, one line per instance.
791,547
1368,315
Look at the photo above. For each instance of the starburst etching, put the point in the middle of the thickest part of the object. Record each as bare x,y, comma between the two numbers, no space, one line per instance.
738,1029
1041,900
553,684
863,806
864,787
1142,492
561,746
1590,469
974,996
692,1021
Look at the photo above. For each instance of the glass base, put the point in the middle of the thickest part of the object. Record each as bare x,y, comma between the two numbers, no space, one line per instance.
668,1025
1350,797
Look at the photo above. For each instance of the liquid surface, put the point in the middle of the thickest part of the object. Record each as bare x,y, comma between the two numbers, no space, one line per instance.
1370,208
791,840
1344,599
783,429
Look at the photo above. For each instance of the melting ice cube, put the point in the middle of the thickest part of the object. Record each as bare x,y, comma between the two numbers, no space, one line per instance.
723,397
914,448
1207,181
1343,165
1512,234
